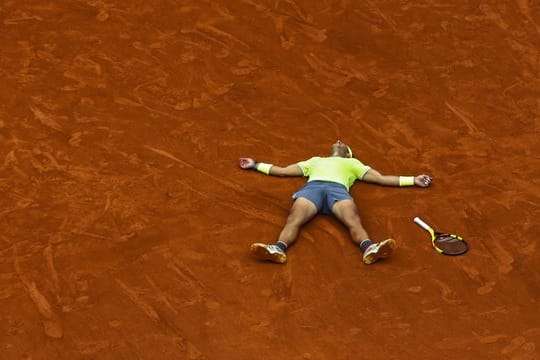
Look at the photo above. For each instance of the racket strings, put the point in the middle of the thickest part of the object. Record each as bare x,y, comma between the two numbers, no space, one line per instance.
447,237
451,244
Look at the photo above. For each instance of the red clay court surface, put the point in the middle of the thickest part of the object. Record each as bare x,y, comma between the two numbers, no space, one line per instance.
126,221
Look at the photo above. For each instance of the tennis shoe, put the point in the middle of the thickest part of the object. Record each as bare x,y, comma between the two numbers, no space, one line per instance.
266,252
379,250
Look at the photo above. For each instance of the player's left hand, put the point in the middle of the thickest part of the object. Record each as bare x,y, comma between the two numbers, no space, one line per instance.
246,163
422,180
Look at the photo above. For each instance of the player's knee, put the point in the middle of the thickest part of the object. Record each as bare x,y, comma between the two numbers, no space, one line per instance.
294,219
297,218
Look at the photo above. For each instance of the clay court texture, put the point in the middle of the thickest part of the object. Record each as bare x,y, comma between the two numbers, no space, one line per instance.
126,221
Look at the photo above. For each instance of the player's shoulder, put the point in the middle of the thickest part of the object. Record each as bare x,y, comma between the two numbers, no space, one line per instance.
310,160
356,162
348,160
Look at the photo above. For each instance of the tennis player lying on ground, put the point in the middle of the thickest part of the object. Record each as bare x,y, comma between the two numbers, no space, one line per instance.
327,192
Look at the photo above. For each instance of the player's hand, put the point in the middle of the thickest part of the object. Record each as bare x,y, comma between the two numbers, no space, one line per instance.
422,180
247,163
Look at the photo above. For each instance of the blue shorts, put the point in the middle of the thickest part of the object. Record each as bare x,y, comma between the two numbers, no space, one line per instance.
324,194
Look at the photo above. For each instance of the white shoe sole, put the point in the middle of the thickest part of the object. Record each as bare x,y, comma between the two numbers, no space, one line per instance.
385,249
260,252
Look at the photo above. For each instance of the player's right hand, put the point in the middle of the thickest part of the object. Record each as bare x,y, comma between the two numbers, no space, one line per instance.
423,180
247,163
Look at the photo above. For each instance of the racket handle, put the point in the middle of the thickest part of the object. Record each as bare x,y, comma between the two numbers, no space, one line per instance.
422,224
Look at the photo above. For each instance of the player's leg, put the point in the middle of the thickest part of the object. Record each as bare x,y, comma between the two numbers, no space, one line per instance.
301,212
347,212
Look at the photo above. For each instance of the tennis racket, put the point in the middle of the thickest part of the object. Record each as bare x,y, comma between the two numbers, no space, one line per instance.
447,244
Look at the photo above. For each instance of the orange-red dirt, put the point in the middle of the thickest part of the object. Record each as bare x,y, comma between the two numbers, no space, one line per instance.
126,220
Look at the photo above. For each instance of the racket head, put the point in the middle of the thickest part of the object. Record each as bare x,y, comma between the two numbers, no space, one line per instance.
449,244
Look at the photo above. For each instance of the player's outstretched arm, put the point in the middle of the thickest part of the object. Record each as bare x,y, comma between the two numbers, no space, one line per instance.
375,177
270,169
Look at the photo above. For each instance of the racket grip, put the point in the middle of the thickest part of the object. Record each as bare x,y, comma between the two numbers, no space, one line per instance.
422,224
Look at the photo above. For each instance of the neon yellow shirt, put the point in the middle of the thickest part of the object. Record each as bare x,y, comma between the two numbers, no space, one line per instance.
344,171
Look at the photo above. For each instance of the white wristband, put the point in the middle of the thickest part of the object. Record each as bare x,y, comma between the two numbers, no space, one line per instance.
264,168
406,181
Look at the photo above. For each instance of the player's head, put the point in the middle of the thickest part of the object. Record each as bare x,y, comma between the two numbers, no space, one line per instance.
339,148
